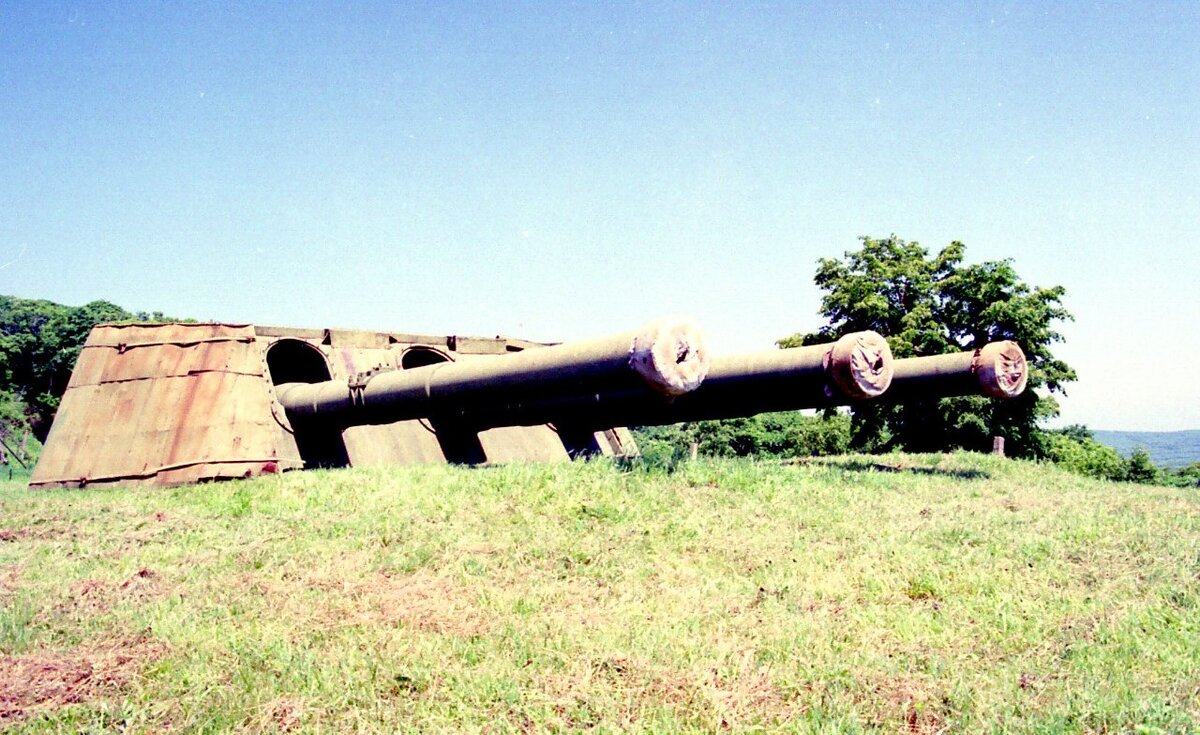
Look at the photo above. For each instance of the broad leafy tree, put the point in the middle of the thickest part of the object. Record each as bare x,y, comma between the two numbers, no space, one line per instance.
932,303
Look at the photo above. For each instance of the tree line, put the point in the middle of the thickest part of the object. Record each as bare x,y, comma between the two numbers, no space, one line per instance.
791,435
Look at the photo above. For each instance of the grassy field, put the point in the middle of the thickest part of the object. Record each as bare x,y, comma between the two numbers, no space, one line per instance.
900,594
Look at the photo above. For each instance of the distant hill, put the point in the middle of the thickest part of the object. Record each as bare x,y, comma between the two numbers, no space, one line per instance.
1166,448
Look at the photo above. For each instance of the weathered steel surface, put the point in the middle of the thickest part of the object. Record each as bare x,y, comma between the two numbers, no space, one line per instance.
416,441
162,404
998,369
855,368
522,444
351,354
174,403
667,359
402,442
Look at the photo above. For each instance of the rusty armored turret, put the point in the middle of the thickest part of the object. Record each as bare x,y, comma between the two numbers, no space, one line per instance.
171,403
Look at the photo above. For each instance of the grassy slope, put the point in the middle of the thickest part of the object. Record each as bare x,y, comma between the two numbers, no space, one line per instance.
926,594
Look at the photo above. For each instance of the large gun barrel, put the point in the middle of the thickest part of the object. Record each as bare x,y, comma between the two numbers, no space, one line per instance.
668,358
998,369
857,367
659,375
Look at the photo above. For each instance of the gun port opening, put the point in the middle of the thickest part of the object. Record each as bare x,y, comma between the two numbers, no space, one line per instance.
415,357
296,361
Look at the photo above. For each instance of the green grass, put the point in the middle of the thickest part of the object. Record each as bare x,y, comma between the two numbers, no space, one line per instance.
918,594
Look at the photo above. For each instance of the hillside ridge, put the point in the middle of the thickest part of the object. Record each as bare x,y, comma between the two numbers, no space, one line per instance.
1170,449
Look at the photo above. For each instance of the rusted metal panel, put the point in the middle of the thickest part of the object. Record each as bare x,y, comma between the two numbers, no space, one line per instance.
176,333
346,362
173,403
618,442
522,444
163,404
270,333
400,443
357,338
157,361
479,346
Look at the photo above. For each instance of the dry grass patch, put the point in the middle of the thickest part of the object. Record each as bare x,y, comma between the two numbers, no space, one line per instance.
912,700
423,601
27,533
47,680
10,575
348,592
90,598
720,698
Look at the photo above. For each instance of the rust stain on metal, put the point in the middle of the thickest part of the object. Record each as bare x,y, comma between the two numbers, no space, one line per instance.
163,404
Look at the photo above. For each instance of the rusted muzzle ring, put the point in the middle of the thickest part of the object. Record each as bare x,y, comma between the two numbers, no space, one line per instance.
860,365
1001,369
671,355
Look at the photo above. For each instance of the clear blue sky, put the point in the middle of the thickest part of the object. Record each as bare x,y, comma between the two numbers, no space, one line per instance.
558,170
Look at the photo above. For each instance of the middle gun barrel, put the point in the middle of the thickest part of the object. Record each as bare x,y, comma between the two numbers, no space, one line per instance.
857,367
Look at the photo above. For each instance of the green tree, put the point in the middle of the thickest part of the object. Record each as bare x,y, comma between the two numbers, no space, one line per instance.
1185,476
1140,468
929,304
1084,455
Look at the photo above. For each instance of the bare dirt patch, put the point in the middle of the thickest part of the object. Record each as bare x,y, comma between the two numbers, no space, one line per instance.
287,713
10,576
47,680
912,701
13,535
92,597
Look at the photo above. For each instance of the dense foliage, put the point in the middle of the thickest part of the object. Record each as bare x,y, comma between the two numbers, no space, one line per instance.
927,304
39,343
1075,449
785,435
933,304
